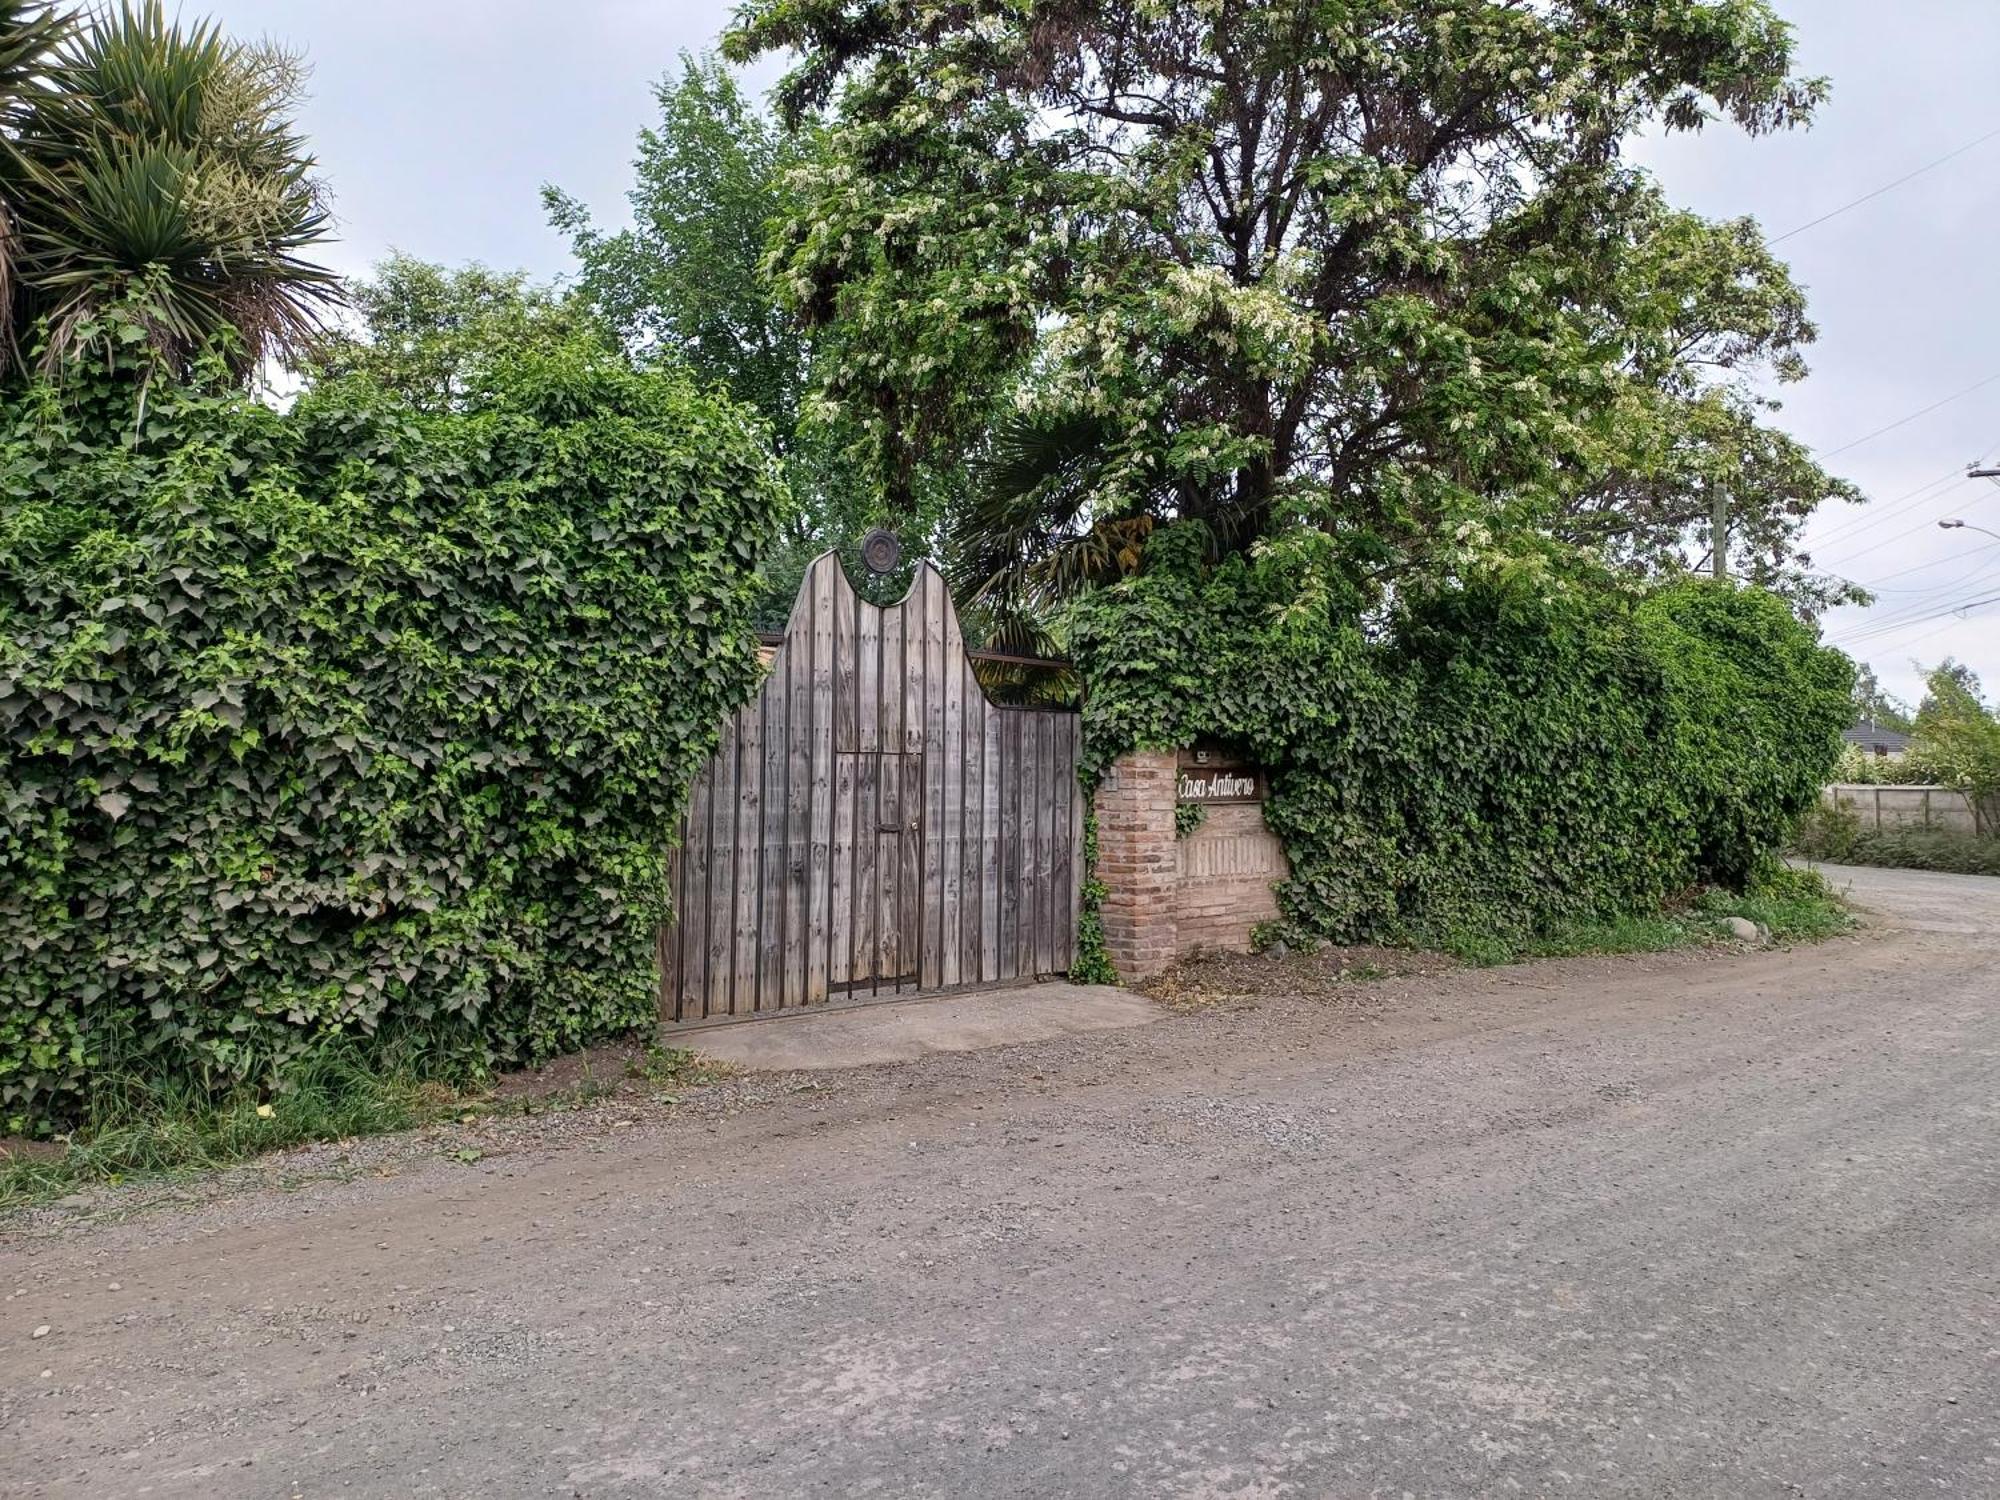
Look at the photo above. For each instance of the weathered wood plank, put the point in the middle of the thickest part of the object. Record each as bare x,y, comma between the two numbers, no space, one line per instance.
1048,795
667,943
951,820
1034,794
909,877
931,593
693,936
819,876
846,606
840,962
888,872
868,678
747,857
991,769
721,924
775,707
867,895
1010,845
971,795
798,783
1066,846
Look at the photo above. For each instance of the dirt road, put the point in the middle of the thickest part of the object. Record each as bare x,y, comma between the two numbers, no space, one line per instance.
1686,1225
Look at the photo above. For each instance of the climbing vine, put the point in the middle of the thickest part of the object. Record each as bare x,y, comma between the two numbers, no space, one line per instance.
1515,745
350,720
1092,964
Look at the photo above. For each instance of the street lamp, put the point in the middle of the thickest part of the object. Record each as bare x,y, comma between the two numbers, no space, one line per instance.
1967,526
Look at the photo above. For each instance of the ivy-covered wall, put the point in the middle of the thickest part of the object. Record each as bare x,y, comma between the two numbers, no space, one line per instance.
347,721
1514,748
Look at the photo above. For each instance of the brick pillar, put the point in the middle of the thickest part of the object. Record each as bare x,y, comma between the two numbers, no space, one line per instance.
1138,863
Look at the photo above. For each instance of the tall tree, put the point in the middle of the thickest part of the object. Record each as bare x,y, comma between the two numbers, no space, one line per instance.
1958,737
1874,704
684,281
431,332
1373,265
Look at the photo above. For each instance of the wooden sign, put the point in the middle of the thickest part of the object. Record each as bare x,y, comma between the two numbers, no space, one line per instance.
1211,776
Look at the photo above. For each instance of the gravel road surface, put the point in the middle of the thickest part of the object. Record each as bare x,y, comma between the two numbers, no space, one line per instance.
1717,1224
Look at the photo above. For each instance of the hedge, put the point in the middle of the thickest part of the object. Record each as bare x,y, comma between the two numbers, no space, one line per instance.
345,722
1504,751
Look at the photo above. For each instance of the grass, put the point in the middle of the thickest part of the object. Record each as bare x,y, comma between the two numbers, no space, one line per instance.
1839,838
139,1130
1795,906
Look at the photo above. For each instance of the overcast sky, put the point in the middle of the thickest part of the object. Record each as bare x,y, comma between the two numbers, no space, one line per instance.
437,122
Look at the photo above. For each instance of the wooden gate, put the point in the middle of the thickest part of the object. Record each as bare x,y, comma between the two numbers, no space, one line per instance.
870,824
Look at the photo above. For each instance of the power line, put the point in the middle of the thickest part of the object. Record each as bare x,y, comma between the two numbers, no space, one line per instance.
1934,630
1921,615
1872,517
1980,579
1934,588
1906,421
1886,187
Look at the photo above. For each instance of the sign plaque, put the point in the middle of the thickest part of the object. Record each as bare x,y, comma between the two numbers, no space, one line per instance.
1211,776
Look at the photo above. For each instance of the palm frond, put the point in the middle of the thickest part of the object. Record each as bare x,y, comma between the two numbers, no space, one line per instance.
1026,536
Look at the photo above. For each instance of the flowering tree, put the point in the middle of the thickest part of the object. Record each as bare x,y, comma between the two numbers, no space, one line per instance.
1376,266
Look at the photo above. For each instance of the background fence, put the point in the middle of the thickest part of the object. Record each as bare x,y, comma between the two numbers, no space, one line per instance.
1881,808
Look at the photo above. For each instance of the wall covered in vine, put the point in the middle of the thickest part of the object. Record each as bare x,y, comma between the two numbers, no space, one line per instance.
351,721
1523,744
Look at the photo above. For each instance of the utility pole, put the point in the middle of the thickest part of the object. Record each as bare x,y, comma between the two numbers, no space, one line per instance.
1718,535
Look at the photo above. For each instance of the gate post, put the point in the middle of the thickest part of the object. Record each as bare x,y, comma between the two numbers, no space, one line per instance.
1136,862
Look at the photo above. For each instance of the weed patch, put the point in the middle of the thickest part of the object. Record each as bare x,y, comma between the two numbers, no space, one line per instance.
138,1130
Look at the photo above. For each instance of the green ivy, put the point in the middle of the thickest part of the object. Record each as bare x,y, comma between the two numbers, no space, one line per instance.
1515,747
1092,964
349,720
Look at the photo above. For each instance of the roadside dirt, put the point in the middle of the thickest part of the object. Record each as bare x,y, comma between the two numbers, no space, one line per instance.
1328,975
1693,1223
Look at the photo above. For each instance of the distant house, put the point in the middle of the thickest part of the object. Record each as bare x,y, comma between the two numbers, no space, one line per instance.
1891,744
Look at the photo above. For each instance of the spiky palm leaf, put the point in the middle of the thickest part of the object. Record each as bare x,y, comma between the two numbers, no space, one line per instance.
29,32
1027,536
152,157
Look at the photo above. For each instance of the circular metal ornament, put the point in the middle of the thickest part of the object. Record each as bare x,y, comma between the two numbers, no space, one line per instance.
881,551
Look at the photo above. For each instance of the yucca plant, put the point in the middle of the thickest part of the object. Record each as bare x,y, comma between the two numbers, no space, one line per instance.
154,160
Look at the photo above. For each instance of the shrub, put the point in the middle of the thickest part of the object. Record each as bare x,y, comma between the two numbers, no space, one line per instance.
1860,767
1509,752
348,721
1839,838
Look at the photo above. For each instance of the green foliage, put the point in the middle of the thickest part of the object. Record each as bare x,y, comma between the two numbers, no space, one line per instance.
144,152
1092,964
1376,265
353,720
432,334
1506,752
1797,913
1873,704
138,1124
685,284
1959,739
1862,767
1838,837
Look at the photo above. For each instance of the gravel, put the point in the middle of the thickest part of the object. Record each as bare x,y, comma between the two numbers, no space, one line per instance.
1697,1223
